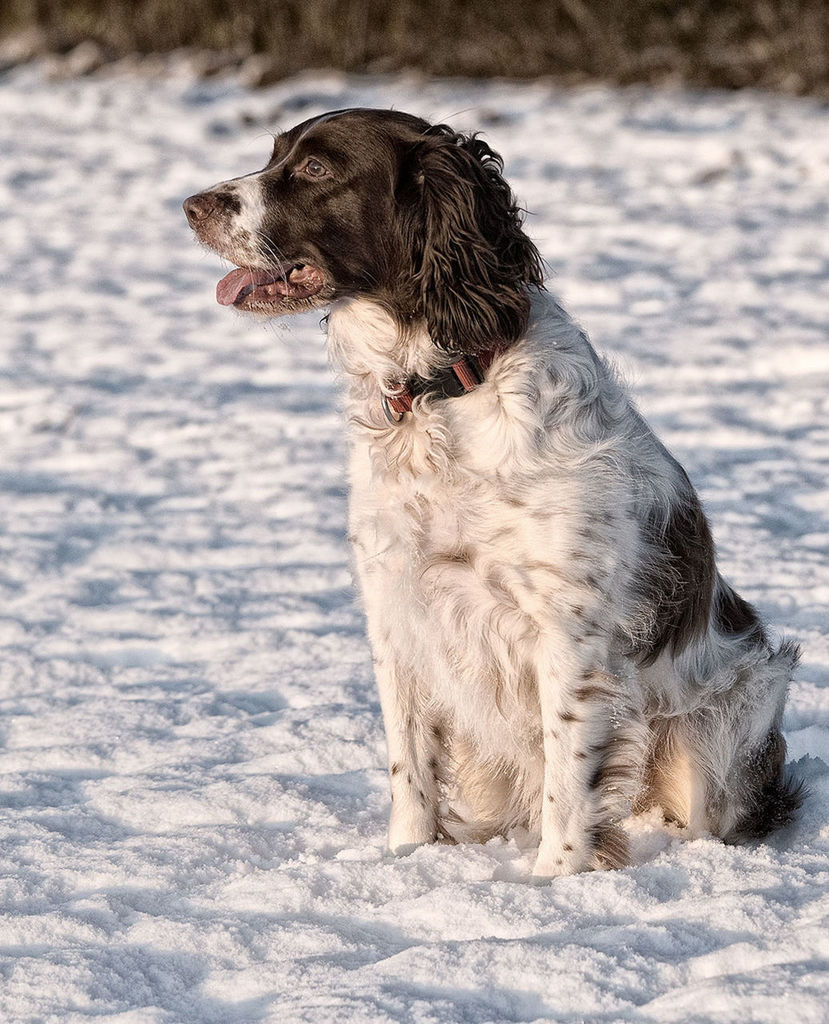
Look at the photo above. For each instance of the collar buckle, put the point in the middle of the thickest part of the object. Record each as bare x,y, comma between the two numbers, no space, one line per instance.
387,410
463,376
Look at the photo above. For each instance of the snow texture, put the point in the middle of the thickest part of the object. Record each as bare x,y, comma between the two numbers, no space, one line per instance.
193,797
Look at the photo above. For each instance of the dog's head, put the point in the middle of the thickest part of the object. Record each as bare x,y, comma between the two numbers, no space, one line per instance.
381,204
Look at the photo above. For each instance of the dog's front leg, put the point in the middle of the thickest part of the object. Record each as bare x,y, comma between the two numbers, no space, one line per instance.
413,740
576,696
413,746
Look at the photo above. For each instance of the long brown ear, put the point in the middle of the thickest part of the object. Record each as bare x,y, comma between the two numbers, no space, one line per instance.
472,261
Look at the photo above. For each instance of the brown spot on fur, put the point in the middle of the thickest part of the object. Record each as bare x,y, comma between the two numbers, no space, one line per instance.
681,584
395,768
611,775
528,585
497,584
409,778
551,798
512,500
610,846
534,565
568,716
527,681
734,615
593,693
462,556
567,848
580,754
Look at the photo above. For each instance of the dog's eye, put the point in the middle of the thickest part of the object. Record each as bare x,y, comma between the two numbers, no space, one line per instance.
313,168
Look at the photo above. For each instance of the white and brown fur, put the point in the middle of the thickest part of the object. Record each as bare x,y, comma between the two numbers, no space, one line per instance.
553,645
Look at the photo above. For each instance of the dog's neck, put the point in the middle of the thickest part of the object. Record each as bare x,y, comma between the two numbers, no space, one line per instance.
375,355
364,340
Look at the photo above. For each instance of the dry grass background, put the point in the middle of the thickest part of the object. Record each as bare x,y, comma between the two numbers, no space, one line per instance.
727,43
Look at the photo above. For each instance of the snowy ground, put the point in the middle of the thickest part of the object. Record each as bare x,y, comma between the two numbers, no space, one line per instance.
192,791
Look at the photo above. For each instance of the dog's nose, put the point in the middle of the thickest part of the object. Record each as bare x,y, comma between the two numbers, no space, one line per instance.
199,207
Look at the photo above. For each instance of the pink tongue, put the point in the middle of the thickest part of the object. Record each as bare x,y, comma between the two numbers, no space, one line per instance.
240,282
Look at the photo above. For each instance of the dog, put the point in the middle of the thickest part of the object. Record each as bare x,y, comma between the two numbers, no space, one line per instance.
553,644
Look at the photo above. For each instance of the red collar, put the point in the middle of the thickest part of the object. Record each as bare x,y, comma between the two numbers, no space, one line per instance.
462,376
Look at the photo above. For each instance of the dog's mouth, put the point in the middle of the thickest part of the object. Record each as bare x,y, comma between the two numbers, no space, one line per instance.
281,287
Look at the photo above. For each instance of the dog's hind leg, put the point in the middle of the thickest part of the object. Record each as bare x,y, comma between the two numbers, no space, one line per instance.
675,778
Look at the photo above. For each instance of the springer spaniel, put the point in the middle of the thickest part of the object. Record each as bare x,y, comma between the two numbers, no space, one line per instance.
553,644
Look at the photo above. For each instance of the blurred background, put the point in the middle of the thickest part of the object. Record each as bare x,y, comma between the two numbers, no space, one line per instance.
776,44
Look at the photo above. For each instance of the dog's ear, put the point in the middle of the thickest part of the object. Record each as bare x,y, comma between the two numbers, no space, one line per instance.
472,262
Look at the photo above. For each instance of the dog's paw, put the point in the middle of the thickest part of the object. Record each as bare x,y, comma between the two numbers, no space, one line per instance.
404,849
559,859
407,833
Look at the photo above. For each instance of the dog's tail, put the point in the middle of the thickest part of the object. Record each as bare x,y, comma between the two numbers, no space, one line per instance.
763,795
769,795
721,767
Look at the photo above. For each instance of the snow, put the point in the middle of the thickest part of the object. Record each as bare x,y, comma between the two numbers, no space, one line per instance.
192,789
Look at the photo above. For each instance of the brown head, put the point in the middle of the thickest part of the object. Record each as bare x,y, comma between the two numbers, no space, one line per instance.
381,204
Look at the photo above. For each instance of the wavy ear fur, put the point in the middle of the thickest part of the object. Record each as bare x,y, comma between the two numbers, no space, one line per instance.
472,261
